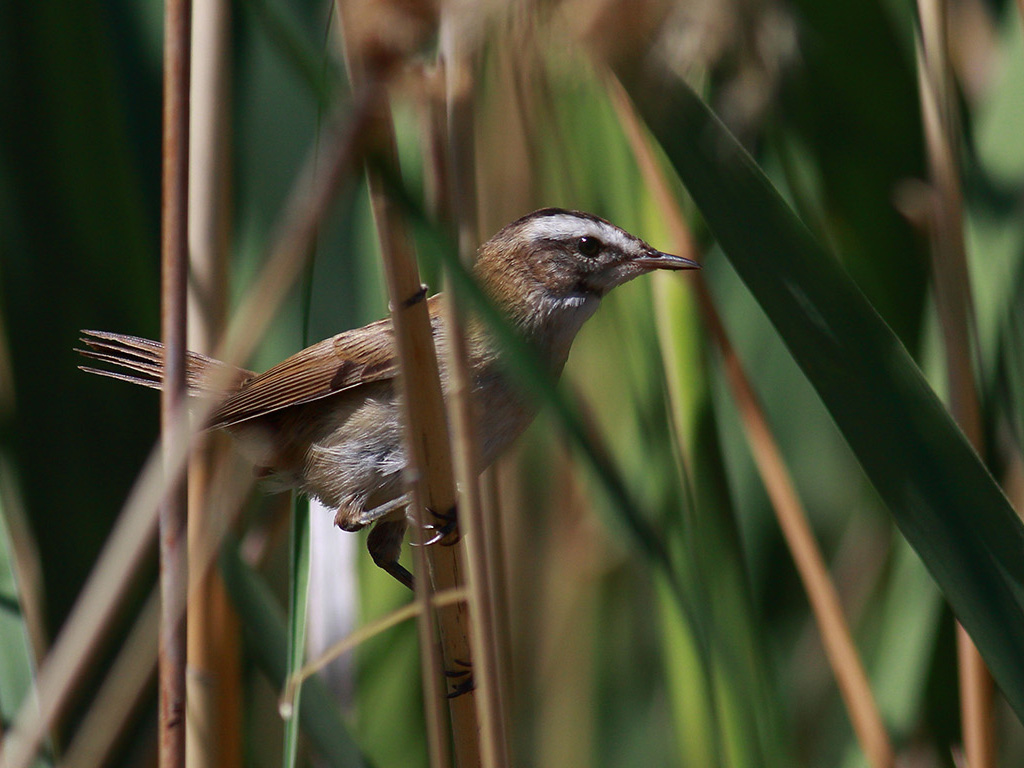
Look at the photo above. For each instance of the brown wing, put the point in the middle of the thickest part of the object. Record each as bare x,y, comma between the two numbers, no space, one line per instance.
350,359
355,357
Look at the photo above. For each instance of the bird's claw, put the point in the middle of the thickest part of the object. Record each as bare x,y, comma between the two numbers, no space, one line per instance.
464,677
446,534
462,688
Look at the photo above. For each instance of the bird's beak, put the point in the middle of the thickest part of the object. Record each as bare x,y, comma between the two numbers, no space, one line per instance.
658,260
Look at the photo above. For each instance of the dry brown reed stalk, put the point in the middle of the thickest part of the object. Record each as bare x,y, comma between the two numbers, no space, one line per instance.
122,690
410,331
822,594
332,163
428,472
173,394
379,39
430,481
443,193
504,163
213,686
490,709
507,156
953,305
497,578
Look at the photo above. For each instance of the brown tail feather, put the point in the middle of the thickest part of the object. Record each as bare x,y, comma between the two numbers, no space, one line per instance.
204,375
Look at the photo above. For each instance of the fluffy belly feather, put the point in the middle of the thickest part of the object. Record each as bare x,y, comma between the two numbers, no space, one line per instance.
351,456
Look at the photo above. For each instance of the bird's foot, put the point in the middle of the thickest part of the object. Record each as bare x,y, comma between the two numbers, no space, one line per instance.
446,533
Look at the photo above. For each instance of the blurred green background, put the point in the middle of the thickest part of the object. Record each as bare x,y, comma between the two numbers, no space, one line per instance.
825,97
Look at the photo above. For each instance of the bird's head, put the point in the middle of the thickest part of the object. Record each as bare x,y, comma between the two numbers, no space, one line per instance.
554,261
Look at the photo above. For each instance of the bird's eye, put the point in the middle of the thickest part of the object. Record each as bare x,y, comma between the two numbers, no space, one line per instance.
588,246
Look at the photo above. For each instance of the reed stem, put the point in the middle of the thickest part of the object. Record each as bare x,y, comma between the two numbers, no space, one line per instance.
173,413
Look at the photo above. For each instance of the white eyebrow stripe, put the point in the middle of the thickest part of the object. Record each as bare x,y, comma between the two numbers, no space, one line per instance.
563,226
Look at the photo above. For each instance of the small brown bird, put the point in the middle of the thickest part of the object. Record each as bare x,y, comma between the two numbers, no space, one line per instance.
326,422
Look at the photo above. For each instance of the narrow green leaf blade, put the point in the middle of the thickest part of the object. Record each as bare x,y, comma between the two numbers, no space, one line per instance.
17,664
940,494
299,566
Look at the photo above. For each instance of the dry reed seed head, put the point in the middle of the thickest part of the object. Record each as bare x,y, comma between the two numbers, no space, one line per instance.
459,80
385,34
749,45
974,48
614,31
466,24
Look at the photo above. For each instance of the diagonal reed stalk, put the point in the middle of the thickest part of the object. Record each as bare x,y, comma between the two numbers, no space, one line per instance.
126,549
953,304
365,633
173,409
122,690
120,694
822,594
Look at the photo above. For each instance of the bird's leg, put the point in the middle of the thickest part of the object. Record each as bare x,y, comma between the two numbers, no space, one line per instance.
385,545
385,540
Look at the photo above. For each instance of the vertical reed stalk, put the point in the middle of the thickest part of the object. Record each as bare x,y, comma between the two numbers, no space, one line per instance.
495,540
462,196
953,304
173,413
428,468
371,55
213,720
127,547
